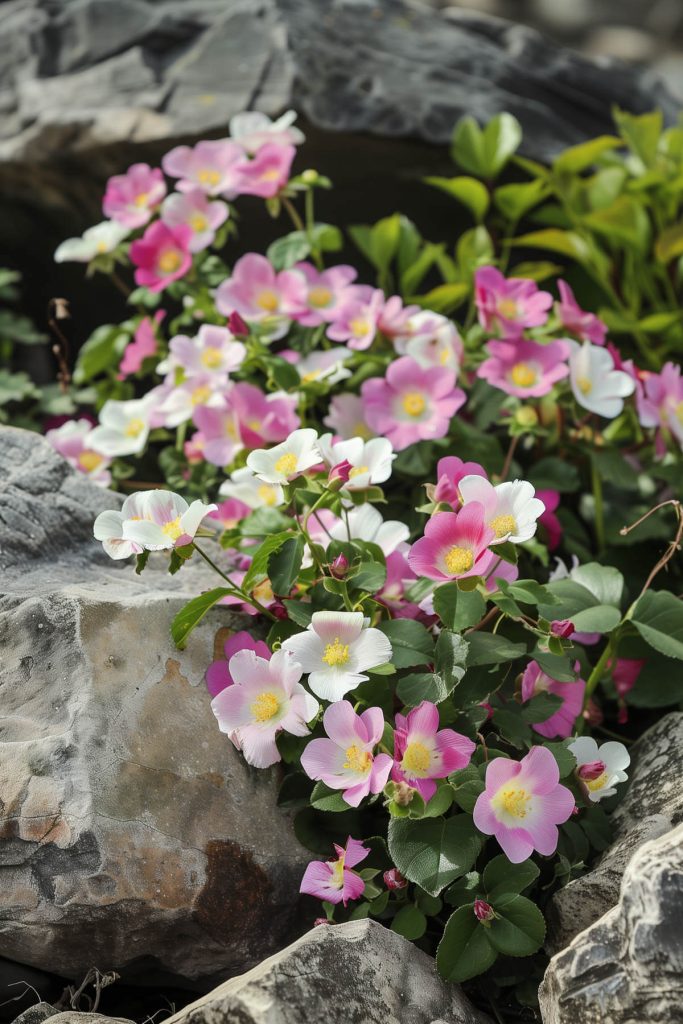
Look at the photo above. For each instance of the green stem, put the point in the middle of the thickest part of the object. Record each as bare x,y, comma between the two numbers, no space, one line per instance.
598,672
180,437
238,592
294,215
596,483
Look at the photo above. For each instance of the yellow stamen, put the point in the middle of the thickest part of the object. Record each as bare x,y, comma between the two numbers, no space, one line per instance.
89,461
134,427
360,326
595,784
678,412
102,247
173,529
319,297
444,356
523,376
267,494
458,560
211,357
336,653
416,758
311,375
507,308
414,403
208,177
201,395
198,222
358,760
169,261
513,800
503,525
141,199
358,471
286,464
272,174
268,300
337,877
584,385
265,707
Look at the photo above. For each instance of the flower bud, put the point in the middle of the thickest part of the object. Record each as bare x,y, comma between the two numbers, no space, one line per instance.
339,567
339,475
593,713
483,911
526,417
237,325
591,770
393,879
320,920
309,176
279,611
562,628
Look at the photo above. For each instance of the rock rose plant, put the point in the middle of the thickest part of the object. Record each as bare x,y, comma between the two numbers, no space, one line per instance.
425,520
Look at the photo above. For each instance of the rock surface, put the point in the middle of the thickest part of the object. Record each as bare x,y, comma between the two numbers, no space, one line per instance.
354,973
627,968
132,834
652,806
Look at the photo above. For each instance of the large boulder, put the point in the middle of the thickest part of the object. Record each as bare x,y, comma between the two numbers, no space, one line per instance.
132,835
652,806
627,968
358,971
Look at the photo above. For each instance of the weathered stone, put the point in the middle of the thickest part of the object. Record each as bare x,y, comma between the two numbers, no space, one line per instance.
627,968
652,806
76,1017
36,1014
355,973
131,831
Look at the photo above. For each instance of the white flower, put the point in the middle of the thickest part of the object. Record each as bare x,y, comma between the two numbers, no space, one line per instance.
96,241
600,769
280,464
431,340
109,528
345,416
597,386
366,523
252,129
175,405
244,485
371,460
213,350
510,508
336,649
165,520
123,427
327,365
72,441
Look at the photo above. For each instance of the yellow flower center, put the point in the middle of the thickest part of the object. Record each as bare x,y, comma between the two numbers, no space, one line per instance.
678,412
267,494
514,801
359,325
286,464
444,356
358,471
595,784
458,560
198,222
337,878
503,525
134,427
272,174
201,395
507,308
89,461
102,247
523,376
311,375
173,530
209,177
336,653
584,385
265,707
414,403
141,199
319,296
268,300
358,760
169,261
211,357
416,758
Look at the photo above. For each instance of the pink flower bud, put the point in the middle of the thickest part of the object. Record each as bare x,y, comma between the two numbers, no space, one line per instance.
320,920
237,325
591,770
393,879
279,610
339,475
339,567
562,628
483,911
593,713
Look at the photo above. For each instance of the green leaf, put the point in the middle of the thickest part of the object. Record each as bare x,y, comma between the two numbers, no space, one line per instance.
284,565
419,686
444,298
258,570
541,707
603,581
411,644
325,799
464,951
669,245
299,612
511,726
192,614
566,761
457,609
490,649
451,655
625,219
410,922
658,617
369,576
519,930
578,158
464,890
468,191
284,252
500,876
102,351
433,852
502,136
567,243
641,132
515,200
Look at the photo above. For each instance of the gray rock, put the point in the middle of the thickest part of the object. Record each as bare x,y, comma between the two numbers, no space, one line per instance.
36,1014
651,807
355,973
131,832
627,968
76,1017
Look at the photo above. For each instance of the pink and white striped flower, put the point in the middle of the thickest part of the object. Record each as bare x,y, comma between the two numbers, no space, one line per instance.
510,509
164,520
453,546
346,760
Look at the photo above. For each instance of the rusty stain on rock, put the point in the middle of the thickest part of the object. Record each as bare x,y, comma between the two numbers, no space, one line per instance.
236,895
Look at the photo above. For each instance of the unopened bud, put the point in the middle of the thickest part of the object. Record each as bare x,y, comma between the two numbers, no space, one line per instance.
591,770
339,567
393,879
562,628
339,475
237,325
310,176
320,920
279,611
526,416
483,911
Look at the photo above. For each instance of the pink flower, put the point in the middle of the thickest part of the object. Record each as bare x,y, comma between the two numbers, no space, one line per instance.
212,351
483,911
358,320
523,804
265,698
523,368
71,441
333,880
268,173
161,256
548,519
213,167
501,571
585,326
561,723
432,340
449,472
143,345
399,578
346,761
411,403
563,628
230,512
509,305
220,433
395,318
625,672
339,475
423,752
130,198
176,405
194,210
218,673
453,546
261,295
346,417
659,400
327,291
263,419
